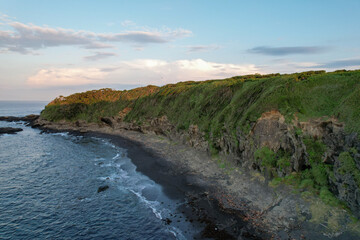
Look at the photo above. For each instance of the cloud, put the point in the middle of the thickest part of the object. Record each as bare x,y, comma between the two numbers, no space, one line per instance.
98,45
26,38
66,77
282,51
140,72
144,37
6,18
99,55
128,23
283,65
202,48
162,72
341,63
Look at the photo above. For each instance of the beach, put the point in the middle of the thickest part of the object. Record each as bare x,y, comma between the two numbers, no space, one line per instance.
226,200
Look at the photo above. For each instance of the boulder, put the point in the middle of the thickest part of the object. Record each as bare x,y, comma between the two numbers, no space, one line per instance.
102,188
10,130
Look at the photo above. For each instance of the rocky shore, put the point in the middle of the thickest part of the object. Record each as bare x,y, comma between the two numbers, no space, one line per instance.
232,202
9,130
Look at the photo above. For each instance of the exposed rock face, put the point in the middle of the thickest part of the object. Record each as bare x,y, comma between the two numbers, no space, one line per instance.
271,131
161,126
10,130
320,129
344,183
346,168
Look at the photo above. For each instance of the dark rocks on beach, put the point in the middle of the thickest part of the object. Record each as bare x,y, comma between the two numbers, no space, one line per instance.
10,130
29,119
102,188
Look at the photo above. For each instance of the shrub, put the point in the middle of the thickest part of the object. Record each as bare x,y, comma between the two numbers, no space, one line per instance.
307,183
328,198
265,157
319,174
348,166
283,162
315,149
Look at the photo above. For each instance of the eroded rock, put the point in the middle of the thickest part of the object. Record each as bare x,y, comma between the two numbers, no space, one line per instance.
103,188
10,130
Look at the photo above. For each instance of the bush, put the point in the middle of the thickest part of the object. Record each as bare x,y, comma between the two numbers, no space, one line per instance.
348,166
328,198
320,175
283,162
265,157
307,183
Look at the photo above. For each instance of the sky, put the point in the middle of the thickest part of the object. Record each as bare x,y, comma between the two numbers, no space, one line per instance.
59,47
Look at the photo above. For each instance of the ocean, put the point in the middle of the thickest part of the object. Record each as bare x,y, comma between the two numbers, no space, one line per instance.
49,188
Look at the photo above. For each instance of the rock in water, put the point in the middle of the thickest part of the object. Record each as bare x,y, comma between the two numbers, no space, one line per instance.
10,130
167,221
102,188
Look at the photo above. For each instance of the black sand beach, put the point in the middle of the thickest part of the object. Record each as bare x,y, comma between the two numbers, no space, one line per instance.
199,208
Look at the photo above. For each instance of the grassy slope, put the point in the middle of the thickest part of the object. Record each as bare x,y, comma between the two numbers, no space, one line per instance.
231,103
234,104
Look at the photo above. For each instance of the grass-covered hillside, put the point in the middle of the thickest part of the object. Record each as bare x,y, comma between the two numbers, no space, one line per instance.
231,103
223,107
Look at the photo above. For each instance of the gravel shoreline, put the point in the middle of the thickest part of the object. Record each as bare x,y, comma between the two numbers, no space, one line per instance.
230,201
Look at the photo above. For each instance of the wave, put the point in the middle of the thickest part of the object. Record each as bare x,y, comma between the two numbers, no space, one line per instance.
124,176
63,134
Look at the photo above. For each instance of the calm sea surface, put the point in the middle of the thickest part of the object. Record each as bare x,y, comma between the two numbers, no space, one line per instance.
49,183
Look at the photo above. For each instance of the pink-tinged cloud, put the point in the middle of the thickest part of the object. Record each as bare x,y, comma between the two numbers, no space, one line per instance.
140,72
66,77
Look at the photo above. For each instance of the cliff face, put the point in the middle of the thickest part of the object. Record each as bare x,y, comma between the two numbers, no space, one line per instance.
285,144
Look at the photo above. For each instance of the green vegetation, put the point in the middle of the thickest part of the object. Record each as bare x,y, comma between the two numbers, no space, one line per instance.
232,105
92,105
216,105
315,179
348,166
284,162
265,157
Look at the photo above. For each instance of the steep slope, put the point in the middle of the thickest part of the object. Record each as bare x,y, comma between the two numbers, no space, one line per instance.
297,128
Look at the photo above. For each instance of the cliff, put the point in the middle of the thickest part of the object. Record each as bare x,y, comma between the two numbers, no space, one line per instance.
300,129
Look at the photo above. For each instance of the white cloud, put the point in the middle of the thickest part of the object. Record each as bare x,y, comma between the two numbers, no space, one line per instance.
24,38
66,77
128,23
159,72
141,72
6,18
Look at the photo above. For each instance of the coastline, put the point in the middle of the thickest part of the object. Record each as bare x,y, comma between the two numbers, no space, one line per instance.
168,165
227,204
